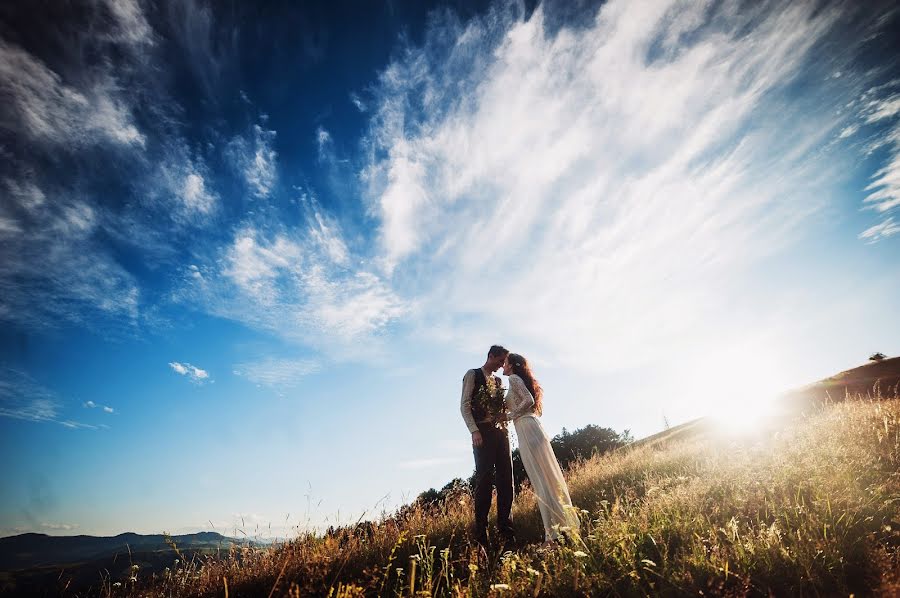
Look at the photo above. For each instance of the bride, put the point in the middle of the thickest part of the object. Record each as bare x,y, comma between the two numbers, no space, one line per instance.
524,403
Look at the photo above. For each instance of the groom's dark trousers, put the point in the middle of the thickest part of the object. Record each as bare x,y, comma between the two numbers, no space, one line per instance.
493,456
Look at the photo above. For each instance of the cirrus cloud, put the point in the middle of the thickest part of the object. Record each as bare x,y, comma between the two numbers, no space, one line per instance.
255,159
301,284
277,372
605,188
22,398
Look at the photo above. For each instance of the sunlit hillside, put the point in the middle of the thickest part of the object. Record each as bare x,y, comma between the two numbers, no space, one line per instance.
878,377
812,508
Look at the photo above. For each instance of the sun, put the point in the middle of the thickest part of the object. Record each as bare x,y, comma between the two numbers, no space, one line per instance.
738,388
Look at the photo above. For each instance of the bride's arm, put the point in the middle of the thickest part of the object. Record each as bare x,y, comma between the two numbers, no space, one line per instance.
521,401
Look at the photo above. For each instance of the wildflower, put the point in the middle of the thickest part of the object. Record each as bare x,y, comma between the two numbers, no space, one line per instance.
580,554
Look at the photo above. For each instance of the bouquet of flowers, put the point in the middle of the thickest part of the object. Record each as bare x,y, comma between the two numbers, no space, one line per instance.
491,398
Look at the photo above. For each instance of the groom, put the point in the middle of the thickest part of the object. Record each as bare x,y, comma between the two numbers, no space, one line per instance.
491,447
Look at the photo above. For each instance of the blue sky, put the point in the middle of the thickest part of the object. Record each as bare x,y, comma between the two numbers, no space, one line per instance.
248,253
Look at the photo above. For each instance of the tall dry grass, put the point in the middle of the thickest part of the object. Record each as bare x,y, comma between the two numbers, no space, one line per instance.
810,509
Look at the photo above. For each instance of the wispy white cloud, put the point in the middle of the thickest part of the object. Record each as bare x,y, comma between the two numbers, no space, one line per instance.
276,372
848,131
24,399
325,235
302,285
195,195
192,372
59,527
884,189
357,101
323,138
256,160
130,22
180,186
26,193
104,408
55,269
254,265
878,116
47,110
76,425
881,109
57,110
21,398
596,189
882,230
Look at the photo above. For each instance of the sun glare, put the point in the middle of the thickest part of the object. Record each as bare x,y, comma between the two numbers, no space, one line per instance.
738,389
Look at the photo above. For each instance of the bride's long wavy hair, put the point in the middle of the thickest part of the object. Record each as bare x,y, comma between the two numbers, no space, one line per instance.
521,369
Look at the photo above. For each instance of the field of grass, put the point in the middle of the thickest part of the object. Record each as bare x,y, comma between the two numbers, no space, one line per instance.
811,508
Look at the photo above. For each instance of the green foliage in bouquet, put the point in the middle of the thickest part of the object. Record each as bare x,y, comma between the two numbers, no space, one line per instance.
490,397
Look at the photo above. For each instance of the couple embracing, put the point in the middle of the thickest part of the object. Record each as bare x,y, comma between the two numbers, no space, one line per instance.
487,411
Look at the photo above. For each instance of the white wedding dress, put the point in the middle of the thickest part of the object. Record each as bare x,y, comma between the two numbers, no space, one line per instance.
540,462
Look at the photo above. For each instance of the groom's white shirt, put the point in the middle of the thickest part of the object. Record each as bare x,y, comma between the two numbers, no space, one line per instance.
465,403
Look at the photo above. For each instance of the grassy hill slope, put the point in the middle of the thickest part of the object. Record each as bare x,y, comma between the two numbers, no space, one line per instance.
872,379
806,506
811,509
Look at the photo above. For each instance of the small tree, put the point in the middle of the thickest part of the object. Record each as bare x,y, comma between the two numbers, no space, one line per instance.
429,497
571,446
877,357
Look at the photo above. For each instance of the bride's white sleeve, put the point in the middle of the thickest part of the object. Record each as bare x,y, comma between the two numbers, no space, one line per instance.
521,401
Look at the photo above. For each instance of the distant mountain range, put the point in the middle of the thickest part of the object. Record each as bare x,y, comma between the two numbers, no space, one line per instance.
42,565
36,550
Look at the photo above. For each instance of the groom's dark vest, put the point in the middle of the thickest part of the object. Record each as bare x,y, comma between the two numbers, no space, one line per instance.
478,411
